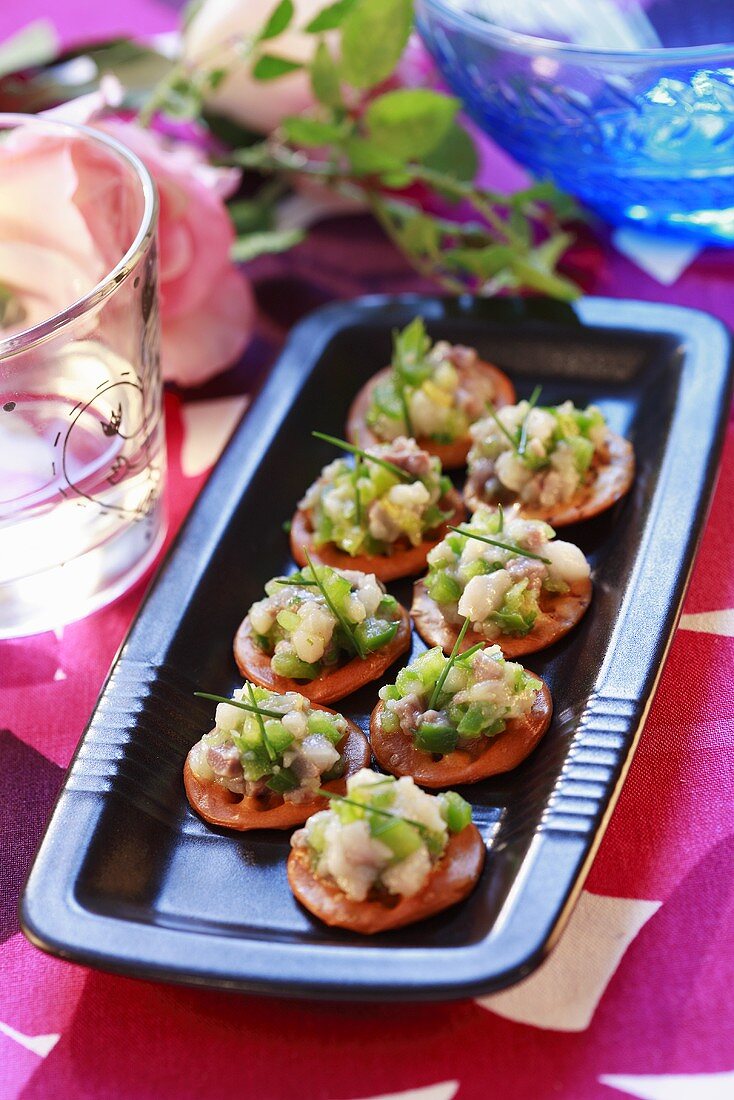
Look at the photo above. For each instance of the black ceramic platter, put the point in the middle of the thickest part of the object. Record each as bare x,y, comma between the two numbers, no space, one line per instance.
129,879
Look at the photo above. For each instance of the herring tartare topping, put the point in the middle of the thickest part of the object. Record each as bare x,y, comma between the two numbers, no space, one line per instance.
280,744
384,837
497,584
313,620
364,507
447,703
540,456
428,393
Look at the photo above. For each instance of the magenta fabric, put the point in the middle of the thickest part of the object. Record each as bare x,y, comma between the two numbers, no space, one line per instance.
657,914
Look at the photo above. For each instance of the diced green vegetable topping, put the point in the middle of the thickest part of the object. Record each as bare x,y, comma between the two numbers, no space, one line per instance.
455,811
420,395
367,513
456,700
269,728
314,621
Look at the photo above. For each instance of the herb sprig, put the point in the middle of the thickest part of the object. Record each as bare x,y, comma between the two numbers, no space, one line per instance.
294,582
365,455
252,708
511,547
344,623
422,829
272,754
511,439
372,144
523,440
438,688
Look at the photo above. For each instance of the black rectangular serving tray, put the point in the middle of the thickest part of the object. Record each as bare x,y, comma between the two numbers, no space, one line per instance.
129,879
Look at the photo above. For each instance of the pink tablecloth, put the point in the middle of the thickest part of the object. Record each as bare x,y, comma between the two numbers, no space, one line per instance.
636,1000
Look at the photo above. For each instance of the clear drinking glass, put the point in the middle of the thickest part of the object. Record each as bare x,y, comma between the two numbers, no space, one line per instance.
82,447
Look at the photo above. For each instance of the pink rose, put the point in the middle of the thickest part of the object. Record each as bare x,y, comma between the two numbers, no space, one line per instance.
47,262
207,307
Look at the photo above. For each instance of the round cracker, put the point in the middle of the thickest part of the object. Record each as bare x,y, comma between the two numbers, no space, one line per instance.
452,879
559,613
452,455
330,685
396,753
403,562
221,807
606,483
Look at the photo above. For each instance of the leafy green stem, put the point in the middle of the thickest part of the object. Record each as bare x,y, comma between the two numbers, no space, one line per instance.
436,693
511,547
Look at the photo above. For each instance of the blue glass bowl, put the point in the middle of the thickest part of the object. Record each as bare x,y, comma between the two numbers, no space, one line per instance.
641,134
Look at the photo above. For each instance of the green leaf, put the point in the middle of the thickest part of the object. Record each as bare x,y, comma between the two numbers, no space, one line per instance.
374,35
547,255
520,226
421,235
215,77
484,262
312,131
257,244
563,205
544,281
455,154
270,67
330,18
252,156
396,181
35,44
278,22
182,100
410,122
324,75
367,159
251,216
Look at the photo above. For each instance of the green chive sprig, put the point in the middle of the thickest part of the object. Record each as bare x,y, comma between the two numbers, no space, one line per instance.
294,582
393,469
252,709
505,431
511,547
345,625
523,442
333,797
404,406
357,495
436,693
272,754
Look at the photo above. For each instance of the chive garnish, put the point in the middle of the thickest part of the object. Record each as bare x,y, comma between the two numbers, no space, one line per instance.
507,434
470,652
393,469
272,754
436,693
357,494
332,796
502,545
346,626
404,406
294,582
237,703
501,517
524,430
